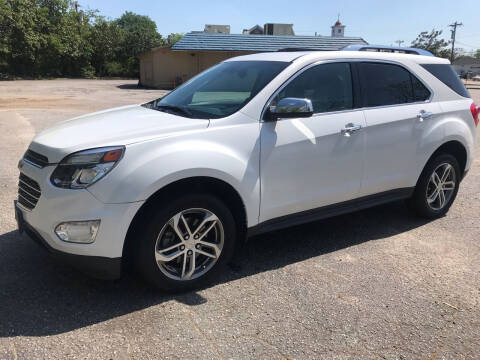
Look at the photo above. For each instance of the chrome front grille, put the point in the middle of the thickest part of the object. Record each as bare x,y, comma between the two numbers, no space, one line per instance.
35,158
28,192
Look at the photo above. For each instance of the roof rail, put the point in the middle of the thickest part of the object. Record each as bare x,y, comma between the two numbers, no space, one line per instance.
390,49
293,49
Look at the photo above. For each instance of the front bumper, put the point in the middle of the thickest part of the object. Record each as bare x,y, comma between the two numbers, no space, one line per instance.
95,266
56,205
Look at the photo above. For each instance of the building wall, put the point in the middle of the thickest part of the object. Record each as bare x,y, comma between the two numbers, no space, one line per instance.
161,68
474,69
278,29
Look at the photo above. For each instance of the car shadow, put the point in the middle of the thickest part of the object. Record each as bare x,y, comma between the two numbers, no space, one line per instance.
39,296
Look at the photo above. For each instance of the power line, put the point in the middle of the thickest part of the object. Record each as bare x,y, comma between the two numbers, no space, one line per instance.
454,32
470,45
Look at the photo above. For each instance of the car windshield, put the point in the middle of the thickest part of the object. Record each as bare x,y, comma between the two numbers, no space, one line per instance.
221,90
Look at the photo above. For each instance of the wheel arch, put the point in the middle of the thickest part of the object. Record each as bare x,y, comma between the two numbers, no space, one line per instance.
203,184
455,148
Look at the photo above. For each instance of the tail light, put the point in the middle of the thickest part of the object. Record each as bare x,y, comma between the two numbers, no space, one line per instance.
475,112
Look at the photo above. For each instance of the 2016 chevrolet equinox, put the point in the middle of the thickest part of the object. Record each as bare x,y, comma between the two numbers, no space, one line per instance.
253,144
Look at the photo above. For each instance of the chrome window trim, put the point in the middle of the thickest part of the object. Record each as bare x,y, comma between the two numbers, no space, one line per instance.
320,62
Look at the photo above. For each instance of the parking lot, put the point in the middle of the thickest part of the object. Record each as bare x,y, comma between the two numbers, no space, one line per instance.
373,284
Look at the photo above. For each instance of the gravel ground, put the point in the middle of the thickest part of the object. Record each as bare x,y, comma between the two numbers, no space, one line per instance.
373,284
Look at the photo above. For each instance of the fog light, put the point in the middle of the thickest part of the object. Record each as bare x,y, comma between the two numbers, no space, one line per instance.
83,232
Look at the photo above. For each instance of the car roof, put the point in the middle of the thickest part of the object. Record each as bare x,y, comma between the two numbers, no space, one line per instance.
313,56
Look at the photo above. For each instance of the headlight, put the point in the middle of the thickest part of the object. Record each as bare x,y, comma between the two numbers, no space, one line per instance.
82,169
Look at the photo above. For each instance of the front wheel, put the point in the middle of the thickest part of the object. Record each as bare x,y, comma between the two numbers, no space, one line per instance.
187,243
437,187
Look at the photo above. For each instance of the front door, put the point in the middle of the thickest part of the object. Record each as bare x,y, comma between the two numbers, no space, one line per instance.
307,163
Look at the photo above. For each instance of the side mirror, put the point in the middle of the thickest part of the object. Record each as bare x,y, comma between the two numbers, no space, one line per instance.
291,108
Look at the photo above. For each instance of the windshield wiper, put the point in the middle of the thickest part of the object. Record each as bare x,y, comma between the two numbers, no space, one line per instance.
178,109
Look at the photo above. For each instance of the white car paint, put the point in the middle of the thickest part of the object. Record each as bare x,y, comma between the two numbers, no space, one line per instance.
392,140
305,164
277,168
120,126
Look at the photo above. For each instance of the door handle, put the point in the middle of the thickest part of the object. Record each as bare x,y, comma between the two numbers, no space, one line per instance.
424,115
350,128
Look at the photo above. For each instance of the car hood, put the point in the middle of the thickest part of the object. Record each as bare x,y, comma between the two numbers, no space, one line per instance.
119,126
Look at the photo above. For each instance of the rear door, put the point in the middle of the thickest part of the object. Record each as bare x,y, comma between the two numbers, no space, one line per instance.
396,105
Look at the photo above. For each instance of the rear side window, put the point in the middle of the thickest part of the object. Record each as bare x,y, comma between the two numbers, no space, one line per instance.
420,92
388,84
448,76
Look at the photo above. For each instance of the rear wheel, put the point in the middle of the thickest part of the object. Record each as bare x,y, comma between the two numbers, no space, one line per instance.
437,187
187,243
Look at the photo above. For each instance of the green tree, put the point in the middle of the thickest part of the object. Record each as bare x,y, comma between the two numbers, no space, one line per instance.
23,35
69,44
5,16
44,37
173,38
105,39
432,42
59,38
138,35
477,54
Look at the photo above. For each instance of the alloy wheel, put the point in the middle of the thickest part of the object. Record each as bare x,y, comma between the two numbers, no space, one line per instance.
441,186
189,244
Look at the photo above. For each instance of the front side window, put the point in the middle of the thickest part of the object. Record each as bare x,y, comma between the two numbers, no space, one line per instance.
328,86
388,84
221,90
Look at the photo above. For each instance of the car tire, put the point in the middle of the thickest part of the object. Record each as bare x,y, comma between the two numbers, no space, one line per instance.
433,194
215,238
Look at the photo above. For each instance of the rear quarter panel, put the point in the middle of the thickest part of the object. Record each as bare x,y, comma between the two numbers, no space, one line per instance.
454,123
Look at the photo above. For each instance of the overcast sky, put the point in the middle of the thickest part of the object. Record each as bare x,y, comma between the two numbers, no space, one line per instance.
378,22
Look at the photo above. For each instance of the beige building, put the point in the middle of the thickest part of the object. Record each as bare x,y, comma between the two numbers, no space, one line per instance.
167,67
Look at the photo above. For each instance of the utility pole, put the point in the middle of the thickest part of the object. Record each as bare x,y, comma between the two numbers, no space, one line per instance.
454,32
79,16
399,42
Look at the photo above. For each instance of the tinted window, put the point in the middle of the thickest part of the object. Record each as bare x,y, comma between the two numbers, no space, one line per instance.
448,76
221,90
420,92
328,86
385,84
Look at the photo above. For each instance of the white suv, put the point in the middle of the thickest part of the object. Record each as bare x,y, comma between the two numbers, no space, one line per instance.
253,144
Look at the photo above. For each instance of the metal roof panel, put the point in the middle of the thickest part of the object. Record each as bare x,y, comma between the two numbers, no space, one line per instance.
264,43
